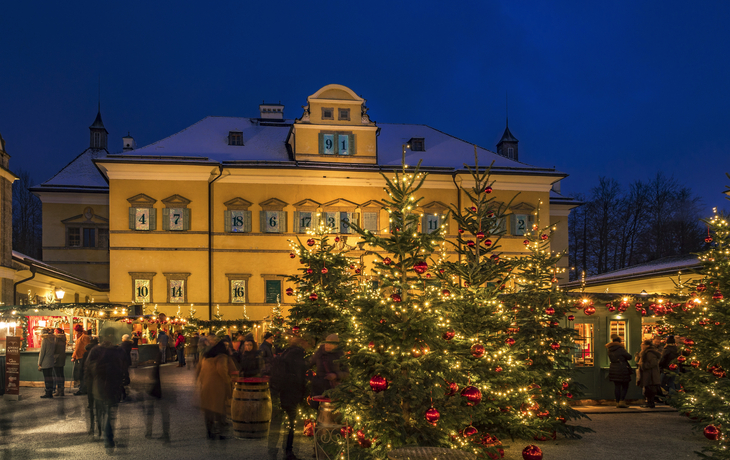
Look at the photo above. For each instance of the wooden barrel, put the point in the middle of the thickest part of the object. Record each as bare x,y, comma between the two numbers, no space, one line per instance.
251,408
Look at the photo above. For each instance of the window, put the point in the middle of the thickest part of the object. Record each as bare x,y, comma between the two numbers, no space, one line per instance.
434,217
328,113
73,237
272,218
618,328
237,217
89,237
431,223
272,288
141,286
370,221
331,143
238,287
343,114
235,138
510,152
306,216
583,356
177,291
417,144
142,214
176,215
97,140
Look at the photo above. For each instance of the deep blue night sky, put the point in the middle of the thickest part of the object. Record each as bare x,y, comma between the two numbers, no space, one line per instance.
622,89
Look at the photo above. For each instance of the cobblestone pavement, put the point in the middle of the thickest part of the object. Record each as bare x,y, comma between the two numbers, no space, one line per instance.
35,428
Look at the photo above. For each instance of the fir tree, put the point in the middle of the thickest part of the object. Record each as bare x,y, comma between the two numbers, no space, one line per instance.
701,321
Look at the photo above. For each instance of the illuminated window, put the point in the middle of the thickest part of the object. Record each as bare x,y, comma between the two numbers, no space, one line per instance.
583,356
618,328
235,138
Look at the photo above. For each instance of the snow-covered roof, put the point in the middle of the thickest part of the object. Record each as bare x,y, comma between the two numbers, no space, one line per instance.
557,198
79,175
664,266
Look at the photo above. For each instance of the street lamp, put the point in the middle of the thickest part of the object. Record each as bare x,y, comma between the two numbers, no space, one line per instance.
60,293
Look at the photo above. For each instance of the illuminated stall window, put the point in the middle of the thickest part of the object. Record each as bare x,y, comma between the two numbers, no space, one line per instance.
583,356
618,328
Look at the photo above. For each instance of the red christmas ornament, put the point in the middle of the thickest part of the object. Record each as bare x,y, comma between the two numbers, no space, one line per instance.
448,335
324,271
292,255
681,359
555,346
428,275
472,395
378,383
550,311
708,239
470,243
526,242
488,189
357,271
346,431
310,242
420,267
612,309
441,271
445,293
498,369
309,271
532,452
432,416
362,440
469,431
396,297
477,350
337,239
473,209
712,432
295,329
689,342
569,395
673,367
461,230
289,291
565,385
487,243
543,237
453,388
308,427
387,261
717,295
313,296
528,361
371,345
510,341
352,267
571,317
695,364
701,288
589,310
480,235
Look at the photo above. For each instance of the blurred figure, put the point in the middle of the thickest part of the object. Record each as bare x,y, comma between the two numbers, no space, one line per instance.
162,341
619,371
267,352
90,343
191,351
249,361
107,373
134,352
126,346
291,385
80,342
329,374
153,398
59,362
669,354
214,387
238,340
46,360
93,353
180,348
202,345
650,376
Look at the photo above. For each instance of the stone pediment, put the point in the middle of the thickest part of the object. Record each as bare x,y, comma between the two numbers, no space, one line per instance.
340,204
176,201
237,204
273,204
434,207
372,204
142,200
522,207
307,205
84,219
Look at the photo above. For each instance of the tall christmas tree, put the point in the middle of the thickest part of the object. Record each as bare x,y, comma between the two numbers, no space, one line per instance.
325,284
542,347
396,355
700,322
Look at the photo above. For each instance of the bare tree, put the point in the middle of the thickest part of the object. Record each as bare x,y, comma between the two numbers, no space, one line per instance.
27,217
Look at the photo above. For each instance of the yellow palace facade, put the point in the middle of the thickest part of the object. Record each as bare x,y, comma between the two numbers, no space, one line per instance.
205,216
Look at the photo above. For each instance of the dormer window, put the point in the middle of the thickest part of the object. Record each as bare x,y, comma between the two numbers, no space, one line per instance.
510,153
417,144
343,114
328,113
235,138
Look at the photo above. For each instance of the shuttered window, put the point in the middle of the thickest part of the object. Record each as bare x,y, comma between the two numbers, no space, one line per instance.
237,221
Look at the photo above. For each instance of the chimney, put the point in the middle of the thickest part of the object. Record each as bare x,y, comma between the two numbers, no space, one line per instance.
128,143
271,111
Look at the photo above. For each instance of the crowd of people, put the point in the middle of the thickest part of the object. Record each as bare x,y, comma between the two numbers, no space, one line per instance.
651,373
101,372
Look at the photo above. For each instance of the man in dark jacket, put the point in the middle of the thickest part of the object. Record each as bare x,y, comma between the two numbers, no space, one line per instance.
293,388
59,363
46,360
93,353
107,372
669,354
267,352
619,371
329,373
650,375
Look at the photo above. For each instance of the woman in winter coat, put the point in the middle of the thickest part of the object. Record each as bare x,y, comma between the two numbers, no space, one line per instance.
180,349
46,360
650,376
249,361
619,372
214,387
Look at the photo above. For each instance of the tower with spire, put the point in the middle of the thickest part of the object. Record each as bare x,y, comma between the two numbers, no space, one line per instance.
507,146
98,133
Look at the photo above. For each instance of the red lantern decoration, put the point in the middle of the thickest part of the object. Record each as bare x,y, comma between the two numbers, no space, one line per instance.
472,395
712,432
555,346
387,261
313,296
289,291
420,267
488,189
396,297
510,341
532,452
432,416
310,242
589,310
324,270
448,335
550,311
477,350
378,383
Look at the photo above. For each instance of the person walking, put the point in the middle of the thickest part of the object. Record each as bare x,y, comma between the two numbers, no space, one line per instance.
249,361
650,377
214,387
84,387
46,361
93,354
180,349
162,341
291,386
78,355
191,351
108,373
670,353
619,371
267,352
329,373
59,362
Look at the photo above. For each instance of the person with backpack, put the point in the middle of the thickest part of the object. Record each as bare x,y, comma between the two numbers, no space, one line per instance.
288,380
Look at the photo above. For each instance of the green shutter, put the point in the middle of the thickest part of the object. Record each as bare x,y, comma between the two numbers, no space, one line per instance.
153,219
166,218
186,219
247,221
227,221
132,218
282,222
352,143
424,223
296,221
513,223
321,143
262,221
355,218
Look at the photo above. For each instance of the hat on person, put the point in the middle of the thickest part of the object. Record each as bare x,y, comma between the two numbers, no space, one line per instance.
267,335
614,337
249,338
333,339
670,339
59,330
125,337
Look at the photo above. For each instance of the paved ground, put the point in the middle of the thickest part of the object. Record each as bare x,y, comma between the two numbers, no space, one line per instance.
35,428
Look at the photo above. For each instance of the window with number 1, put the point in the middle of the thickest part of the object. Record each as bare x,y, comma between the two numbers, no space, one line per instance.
337,143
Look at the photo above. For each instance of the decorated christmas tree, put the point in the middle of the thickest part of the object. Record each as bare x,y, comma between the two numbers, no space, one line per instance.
396,356
325,285
276,324
700,326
